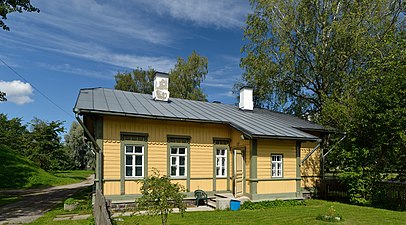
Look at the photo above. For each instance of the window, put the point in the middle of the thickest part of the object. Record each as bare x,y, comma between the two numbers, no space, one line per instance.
221,162
277,170
134,160
178,161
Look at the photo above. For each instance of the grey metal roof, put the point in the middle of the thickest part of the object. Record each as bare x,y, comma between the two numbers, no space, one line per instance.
257,123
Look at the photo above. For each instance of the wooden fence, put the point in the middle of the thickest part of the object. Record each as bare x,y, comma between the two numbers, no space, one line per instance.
100,211
387,194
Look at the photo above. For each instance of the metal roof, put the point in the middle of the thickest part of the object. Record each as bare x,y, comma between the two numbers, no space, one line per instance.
259,123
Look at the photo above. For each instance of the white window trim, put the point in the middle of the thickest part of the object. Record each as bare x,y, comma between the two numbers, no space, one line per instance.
133,161
277,162
177,156
219,157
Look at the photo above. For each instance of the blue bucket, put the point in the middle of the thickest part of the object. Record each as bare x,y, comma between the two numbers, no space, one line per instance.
234,204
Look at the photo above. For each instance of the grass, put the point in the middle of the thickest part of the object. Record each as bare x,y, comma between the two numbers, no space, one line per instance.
21,173
305,214
83,197
281,215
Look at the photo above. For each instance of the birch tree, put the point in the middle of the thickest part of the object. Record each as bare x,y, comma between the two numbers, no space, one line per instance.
297,54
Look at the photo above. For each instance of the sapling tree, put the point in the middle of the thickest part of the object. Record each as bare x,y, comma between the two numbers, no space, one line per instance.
160,196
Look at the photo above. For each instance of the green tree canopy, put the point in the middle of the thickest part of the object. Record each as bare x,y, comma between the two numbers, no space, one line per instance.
44,145
139,81
374,117
184,79
9,6
300,53
79,149
12,133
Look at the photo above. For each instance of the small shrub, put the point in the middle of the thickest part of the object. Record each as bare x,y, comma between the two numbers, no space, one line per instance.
358,187
248,205
160,196
330,216
70,201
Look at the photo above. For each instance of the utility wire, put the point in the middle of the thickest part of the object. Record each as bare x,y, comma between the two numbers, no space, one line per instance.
39,91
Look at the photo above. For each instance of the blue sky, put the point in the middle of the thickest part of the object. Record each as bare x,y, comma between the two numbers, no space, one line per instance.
78,44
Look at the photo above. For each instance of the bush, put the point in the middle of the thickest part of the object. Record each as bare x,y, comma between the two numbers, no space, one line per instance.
358,186
248,205
70,201
160,196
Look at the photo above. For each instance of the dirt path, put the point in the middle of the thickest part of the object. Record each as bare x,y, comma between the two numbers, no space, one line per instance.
36,202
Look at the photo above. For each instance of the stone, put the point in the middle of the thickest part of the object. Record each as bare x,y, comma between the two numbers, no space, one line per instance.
222,203
81,217
70,207
61,218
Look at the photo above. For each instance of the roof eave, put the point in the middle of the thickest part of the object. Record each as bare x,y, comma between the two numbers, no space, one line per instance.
107,113
287,138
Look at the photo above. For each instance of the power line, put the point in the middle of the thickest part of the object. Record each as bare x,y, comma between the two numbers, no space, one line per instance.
50,100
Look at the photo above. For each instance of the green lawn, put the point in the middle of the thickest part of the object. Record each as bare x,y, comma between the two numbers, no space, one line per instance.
282,215
279,215
17,172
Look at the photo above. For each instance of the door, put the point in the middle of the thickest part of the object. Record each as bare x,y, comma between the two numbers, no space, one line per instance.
238,173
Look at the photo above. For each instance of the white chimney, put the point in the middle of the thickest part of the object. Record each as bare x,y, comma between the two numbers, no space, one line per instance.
246,102
161,84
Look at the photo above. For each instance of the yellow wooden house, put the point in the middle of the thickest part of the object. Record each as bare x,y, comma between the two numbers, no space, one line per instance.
215,147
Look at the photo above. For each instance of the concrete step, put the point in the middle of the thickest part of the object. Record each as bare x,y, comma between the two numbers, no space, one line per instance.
224,195
211,203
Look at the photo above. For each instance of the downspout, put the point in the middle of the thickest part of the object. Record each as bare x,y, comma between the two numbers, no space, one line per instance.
96,147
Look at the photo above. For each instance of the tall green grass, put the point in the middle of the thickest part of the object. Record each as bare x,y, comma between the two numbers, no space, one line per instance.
17,172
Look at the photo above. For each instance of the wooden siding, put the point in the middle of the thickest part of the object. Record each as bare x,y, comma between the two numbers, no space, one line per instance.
221,184
157,154
310,169
201,155
266,147
111,157
132,186
111,187
201,161
276,187
203,184
201,148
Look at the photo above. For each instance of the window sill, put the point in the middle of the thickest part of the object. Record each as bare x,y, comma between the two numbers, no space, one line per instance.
133,178
178,178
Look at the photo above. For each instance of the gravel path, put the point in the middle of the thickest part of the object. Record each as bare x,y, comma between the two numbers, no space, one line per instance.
37,202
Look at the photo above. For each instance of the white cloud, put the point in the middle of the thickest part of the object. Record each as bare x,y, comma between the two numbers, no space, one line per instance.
223,77
94,20
17,91
67,68
222,14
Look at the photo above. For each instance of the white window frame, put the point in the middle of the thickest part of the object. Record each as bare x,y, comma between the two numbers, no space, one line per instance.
177,156
219,166
277,165
133,166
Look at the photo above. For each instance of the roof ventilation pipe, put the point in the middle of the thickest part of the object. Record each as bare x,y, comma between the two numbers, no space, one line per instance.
246,102
161,84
